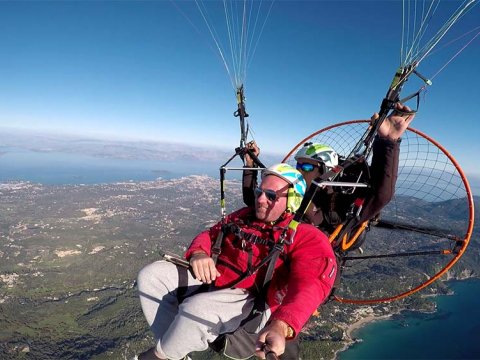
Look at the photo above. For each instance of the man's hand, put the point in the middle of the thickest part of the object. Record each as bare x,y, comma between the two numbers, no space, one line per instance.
253,147
395,125
272,338
203,267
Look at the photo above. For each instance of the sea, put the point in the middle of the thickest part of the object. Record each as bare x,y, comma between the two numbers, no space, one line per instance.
58,168
452,332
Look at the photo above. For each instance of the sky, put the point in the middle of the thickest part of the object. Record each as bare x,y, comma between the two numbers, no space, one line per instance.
149,70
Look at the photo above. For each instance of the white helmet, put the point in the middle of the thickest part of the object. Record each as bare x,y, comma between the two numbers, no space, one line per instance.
318,152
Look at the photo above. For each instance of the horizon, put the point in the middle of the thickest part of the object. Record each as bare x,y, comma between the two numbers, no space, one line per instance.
140,71
120,155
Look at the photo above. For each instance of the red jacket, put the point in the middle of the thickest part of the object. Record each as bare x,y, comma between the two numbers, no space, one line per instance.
303,276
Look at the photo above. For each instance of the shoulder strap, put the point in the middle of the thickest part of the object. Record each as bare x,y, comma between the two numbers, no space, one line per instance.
217,245
271,258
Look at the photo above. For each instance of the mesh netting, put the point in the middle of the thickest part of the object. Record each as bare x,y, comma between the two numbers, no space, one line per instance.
432,213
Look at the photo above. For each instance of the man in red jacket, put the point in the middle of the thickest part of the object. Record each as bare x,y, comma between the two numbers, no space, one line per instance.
187,317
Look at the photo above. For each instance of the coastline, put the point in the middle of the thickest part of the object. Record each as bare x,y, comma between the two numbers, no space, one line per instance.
349,330
361,323
369,317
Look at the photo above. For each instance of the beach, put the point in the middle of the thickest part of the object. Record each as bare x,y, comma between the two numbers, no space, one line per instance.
366,317
349,331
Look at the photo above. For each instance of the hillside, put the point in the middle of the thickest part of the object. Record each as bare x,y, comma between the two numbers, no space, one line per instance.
70,255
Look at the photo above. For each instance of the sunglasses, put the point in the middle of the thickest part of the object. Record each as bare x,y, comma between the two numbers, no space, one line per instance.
269,193
305,167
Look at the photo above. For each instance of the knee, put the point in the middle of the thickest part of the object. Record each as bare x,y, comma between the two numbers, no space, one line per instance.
145,276
150,274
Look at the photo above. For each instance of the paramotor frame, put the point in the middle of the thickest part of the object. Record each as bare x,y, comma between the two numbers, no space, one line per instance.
431,189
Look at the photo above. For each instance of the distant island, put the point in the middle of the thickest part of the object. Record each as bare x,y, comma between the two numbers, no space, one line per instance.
116,149
162,172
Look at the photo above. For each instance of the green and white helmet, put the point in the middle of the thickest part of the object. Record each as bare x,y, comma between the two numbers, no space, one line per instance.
294,178
318,152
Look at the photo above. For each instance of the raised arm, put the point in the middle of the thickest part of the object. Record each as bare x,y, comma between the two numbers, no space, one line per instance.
384,168
249,179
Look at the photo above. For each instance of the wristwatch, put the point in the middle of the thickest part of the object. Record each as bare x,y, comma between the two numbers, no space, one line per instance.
290,333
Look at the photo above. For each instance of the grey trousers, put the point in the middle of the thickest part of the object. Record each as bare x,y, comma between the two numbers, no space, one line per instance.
191,325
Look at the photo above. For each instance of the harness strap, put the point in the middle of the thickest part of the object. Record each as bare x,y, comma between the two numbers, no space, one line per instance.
249,261
240,234
272,255
277,249
243,235
271,258
183,287
182,282
217,245
251,323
